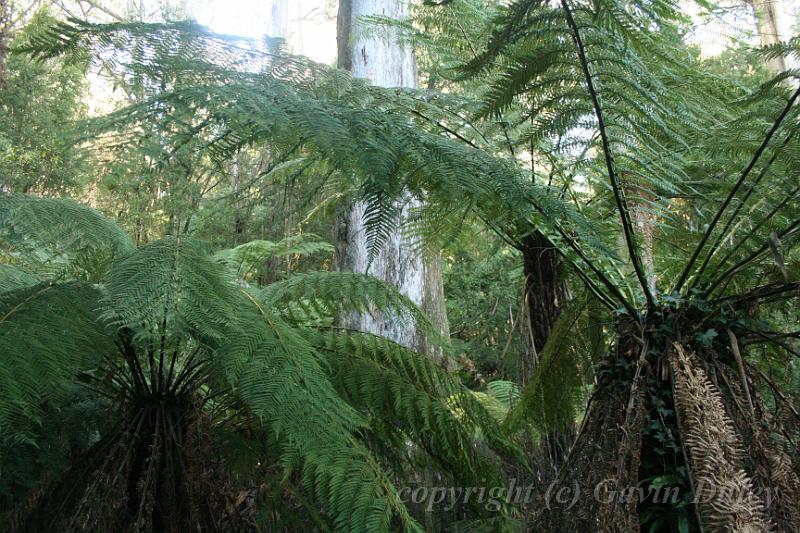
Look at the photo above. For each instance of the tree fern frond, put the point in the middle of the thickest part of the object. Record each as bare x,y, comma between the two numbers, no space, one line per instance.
329,293
248,257
417,375
48,332
278,375
173,280
12,278
549,401
55,233
371,139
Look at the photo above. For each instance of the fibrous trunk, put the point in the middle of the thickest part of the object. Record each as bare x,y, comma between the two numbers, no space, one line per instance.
157,472
546,289
671,440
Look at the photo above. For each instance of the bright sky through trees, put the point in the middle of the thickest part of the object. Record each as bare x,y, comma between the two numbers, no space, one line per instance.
312,23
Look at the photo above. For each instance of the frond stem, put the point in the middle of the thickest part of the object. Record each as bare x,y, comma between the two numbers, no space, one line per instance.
754,255
619,194
742,202
746,172
754,230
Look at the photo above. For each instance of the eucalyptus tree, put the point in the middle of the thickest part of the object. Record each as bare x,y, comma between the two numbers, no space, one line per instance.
446,36
400,260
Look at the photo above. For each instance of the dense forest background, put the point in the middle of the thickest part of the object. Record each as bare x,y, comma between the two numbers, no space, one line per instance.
474,243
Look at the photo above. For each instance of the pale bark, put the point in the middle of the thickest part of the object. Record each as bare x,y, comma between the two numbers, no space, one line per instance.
5,36
387,63
279,19
644,222
768,33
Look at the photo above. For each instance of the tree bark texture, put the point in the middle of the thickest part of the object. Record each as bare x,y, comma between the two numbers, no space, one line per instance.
387,63
5,37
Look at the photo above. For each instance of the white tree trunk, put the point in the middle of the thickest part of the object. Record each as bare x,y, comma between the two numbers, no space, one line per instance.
389,64
768,29
279,20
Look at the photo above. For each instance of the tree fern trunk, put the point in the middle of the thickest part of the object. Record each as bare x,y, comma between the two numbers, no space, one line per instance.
388,64
546,290
546,293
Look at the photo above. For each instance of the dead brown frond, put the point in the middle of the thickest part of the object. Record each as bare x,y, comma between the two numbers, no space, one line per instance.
724,493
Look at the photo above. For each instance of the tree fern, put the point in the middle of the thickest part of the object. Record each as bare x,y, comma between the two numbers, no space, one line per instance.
328,114
551,399
607,78
176,341
12,277
247,258
55,234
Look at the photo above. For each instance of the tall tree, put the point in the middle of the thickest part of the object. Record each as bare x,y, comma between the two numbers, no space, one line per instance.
279,19
766,16
5,35
387,63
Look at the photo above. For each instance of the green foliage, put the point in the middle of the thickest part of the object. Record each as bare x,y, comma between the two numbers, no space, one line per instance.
12,277
48,333
59,237
483,284
500,397
358,129
340,409
583,121
332,292
172,280
74,422
248,259
553,395
38,102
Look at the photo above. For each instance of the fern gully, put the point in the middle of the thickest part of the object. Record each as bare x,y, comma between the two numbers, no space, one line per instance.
606,94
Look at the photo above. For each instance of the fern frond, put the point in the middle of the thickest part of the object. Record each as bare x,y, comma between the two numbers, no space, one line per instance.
415,376
170,284
363,131
280,377
12,277
550,399
55,234
48,332
246,258
330,293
